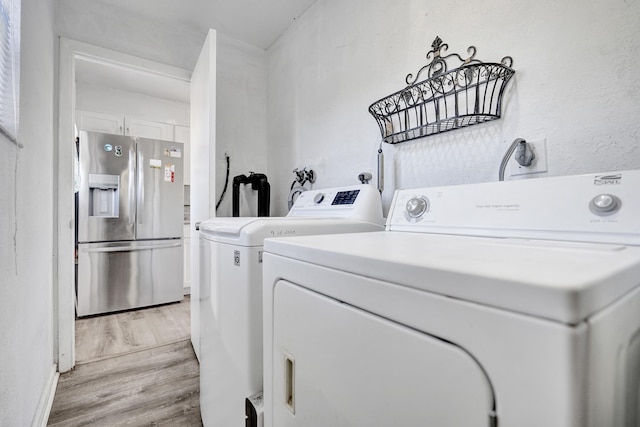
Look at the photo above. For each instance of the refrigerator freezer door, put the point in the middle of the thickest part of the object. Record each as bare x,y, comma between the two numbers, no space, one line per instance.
160,189
107,188
124,275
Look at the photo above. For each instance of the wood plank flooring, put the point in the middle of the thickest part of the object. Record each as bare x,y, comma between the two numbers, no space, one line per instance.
139,376
104,336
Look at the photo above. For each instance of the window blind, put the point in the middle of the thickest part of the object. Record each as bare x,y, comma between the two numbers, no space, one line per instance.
9,67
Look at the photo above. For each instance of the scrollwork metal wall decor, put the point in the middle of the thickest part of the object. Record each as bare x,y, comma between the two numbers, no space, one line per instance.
447,99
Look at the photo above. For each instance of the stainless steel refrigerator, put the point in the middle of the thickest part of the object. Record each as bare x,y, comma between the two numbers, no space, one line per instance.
130,222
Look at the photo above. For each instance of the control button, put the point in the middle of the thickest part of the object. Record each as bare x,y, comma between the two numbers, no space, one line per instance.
604,204
417,206
318,198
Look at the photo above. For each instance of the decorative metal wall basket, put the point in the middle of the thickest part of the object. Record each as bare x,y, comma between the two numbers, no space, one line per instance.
448,99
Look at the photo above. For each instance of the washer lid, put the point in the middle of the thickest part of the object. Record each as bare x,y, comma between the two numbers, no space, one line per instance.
252,231
562,281
226,225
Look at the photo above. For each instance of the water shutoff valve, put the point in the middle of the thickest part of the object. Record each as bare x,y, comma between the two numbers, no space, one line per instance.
365,177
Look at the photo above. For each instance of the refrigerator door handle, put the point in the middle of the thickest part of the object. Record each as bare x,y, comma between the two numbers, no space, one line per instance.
133,248
140,180
132,193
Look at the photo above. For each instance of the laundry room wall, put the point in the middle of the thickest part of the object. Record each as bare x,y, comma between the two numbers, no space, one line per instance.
241,123
576,85
103,24
27,228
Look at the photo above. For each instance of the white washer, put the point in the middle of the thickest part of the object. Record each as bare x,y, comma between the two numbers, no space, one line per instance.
231,291
514,304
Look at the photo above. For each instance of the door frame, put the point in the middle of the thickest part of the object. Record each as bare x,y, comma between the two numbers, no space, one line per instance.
64,222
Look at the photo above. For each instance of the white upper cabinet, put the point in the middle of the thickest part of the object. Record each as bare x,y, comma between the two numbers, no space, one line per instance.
120,125
148,129
99,122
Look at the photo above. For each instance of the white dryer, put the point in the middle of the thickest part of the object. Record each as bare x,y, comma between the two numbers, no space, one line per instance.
514,304
231,291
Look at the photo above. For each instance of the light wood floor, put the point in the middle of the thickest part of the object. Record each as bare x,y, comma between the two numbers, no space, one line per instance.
138,368
105,336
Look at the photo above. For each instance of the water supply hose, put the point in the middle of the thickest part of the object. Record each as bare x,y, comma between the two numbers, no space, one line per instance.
226,183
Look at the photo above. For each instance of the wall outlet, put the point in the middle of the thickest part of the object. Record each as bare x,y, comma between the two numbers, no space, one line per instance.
226,151
539,164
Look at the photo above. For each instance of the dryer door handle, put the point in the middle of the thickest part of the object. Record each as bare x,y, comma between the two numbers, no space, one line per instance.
289,386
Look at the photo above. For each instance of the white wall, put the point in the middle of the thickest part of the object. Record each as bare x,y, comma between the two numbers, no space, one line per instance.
576,84
102,24
26,228
241,120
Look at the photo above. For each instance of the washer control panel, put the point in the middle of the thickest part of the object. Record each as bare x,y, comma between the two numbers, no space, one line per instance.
348,197
595,207
360,201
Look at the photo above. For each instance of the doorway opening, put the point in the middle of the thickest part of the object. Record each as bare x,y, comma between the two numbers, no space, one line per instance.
89,73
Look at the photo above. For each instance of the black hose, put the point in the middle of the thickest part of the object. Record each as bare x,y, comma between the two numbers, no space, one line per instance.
226,183
258,182
235,195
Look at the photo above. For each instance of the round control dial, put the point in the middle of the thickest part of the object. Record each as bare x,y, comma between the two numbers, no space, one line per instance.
604,204
318,198
417,206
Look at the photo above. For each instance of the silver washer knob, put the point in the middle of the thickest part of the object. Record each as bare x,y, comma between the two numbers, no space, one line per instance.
417,206
318,198
604,203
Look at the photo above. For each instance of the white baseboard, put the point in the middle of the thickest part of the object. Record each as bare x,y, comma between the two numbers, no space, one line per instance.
43,410
186,290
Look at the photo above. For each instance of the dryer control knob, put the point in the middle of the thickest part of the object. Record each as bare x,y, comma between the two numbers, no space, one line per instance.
417,206
318,198
604,204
